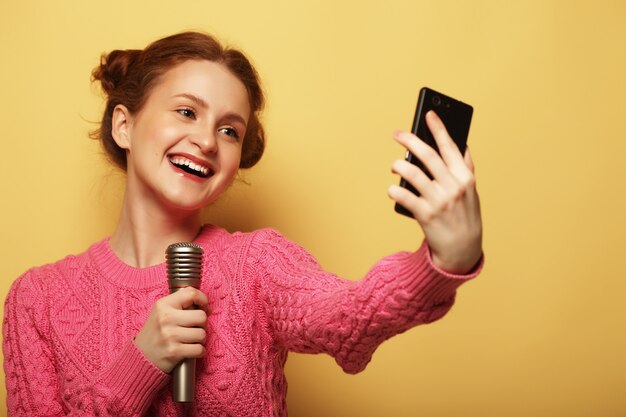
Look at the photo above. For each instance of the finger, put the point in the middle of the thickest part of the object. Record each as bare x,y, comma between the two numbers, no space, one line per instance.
191,350
416,205
468,160
414,176
172,318
192,335
447,147
191,318
188,297
427,155
450,152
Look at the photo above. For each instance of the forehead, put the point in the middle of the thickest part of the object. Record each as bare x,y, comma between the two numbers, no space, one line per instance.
211,81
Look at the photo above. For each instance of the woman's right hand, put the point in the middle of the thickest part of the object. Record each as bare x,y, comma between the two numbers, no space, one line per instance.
171,333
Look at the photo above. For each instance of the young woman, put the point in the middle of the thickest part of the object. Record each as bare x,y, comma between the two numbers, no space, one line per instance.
98,333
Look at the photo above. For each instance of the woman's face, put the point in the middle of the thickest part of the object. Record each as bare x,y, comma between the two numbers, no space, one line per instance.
184,145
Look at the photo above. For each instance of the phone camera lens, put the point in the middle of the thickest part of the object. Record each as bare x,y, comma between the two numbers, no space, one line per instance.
436,100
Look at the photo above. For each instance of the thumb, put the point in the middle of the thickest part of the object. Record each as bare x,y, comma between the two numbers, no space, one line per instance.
189,297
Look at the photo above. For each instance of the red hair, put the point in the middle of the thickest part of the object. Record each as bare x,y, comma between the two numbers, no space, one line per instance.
128,76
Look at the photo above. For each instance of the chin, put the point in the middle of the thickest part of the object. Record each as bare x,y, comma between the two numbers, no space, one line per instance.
185,200
188,206
185,205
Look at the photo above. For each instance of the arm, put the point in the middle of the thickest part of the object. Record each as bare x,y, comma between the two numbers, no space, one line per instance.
124,387
311,311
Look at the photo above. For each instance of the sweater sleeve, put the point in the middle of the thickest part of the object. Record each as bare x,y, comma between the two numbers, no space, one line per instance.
125,387
311,311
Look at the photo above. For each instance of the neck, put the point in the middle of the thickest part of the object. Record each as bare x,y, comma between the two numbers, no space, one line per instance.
144,231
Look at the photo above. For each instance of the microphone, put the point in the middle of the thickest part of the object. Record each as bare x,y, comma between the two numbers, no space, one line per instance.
184,269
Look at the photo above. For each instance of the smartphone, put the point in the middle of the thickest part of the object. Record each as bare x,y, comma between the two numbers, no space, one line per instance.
456,116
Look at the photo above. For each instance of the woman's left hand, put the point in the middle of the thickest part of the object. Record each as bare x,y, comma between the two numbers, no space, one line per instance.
448,208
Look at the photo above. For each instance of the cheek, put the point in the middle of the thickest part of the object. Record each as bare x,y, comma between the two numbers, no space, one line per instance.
231,164
153,143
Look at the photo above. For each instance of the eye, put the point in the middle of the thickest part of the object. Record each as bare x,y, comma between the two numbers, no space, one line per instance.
187,112
230,131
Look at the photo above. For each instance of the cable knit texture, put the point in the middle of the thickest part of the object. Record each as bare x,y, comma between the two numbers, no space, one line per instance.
69,326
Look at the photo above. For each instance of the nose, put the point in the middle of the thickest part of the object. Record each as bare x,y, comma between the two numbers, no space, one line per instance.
205,140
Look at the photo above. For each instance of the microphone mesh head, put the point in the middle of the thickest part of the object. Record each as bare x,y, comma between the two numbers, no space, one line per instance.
184,262
184,247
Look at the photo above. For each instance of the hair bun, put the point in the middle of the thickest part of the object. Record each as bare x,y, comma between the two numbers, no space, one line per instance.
113,68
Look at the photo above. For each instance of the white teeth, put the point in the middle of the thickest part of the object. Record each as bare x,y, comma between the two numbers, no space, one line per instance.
186,162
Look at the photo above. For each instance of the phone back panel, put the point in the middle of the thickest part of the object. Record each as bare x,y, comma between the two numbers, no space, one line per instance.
456,117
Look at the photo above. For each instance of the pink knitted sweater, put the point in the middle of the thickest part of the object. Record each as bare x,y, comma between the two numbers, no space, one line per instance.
69,326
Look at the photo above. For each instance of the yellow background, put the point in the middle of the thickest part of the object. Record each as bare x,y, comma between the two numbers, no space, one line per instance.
541,333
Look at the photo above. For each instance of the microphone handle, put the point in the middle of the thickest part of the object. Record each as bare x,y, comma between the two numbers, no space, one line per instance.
184,374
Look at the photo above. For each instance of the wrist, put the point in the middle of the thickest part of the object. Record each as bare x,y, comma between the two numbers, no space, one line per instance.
461,264
151,355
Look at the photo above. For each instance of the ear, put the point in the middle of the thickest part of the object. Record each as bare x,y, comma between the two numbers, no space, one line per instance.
121,122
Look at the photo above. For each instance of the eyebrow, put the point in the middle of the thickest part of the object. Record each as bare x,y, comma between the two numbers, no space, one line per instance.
202,103
237,118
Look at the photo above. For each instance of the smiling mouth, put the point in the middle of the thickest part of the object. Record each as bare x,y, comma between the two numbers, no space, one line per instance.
191,167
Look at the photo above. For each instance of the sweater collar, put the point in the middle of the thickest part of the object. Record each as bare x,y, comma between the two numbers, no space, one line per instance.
122,274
